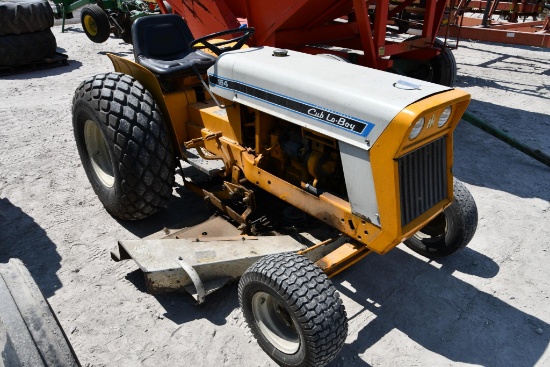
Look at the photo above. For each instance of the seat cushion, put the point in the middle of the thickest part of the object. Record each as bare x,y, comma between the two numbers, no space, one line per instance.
171,68
161,44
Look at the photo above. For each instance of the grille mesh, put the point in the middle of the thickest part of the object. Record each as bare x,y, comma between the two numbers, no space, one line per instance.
422,179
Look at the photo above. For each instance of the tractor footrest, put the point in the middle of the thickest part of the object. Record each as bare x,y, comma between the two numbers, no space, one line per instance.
209,166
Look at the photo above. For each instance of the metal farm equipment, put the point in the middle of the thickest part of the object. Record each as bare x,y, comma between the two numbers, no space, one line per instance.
101,18
507,28
397,36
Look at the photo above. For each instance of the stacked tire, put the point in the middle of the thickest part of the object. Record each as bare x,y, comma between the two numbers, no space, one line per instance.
25,32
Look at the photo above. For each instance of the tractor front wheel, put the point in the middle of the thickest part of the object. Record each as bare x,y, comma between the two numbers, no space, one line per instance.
95,23
124,145
451,230
293,310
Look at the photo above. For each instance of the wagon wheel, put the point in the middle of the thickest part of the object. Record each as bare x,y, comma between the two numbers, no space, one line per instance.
282,297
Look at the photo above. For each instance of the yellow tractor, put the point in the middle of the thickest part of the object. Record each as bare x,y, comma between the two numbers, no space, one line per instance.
366,153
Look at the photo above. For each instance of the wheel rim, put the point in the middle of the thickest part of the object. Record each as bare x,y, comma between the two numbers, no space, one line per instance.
98,151
275,323
90,25
434,231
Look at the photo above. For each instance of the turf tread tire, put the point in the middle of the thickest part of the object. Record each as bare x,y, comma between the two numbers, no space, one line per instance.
139,143
463,212
27,16
18,49
310,296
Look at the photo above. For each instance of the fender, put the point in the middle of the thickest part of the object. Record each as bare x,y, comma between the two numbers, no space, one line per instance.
172,105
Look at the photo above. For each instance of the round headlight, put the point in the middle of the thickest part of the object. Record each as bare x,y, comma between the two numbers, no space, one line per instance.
417,128
444,117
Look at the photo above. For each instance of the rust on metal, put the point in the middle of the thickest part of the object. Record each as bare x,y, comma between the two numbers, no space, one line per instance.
316,246
342,258
230,190
356,25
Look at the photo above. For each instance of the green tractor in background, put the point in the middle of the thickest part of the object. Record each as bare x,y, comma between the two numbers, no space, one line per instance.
102,17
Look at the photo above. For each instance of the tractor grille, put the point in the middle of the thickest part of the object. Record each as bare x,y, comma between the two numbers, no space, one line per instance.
422,179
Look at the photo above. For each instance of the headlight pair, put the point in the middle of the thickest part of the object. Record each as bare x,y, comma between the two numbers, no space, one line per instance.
419,125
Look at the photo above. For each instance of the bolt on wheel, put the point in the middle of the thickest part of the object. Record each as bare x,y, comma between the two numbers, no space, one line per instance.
275,322
293,310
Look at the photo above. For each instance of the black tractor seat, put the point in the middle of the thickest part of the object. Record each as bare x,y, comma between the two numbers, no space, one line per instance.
161,44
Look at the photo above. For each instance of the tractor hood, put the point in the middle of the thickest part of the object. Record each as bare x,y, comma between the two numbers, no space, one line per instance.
350,102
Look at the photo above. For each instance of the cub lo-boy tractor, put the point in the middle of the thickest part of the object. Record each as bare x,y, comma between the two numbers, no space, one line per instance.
365,153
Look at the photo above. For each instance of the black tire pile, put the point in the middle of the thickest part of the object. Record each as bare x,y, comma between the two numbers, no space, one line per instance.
25,32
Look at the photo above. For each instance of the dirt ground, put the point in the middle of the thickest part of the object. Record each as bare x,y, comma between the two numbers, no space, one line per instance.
488,305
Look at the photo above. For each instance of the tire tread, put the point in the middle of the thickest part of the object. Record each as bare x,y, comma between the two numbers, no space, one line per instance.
141,143
18,49
17,17
102,23
464,211
311,297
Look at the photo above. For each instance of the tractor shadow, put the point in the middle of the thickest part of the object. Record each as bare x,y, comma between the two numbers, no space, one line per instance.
183,210
181,308
119,53
438,311
22,238
76,28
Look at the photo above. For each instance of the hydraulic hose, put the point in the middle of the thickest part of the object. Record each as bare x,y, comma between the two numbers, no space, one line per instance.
534,153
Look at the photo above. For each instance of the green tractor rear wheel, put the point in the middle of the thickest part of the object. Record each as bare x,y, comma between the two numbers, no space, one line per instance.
95,23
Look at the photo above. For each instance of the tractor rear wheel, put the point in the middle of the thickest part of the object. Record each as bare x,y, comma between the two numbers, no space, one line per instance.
293,310
124,145
95,23
451,230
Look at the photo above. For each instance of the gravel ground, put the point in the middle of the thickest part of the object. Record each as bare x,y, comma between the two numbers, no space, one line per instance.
488,305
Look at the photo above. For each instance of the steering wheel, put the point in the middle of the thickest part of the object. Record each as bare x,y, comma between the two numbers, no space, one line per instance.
240,40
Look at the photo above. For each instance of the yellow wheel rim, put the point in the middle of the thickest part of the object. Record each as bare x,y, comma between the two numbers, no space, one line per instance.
90,25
